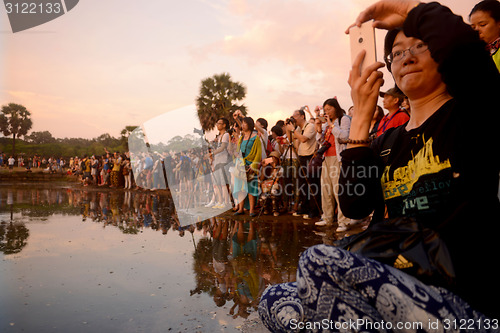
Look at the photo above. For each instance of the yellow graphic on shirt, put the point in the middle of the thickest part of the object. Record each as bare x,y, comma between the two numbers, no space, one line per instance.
423,163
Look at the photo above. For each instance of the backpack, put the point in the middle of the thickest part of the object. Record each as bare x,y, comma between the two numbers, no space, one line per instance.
269,147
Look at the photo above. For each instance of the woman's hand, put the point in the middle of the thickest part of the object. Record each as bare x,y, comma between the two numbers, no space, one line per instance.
329,121
386,14
365,87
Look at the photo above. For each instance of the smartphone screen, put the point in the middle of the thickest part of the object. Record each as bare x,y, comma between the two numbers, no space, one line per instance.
363,38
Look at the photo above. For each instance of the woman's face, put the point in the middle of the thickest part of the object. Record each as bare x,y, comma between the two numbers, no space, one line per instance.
416,75
488,28
244,126
329,111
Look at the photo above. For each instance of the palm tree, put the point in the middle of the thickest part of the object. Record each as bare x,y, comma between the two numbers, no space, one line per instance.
15,120
217,96
125,133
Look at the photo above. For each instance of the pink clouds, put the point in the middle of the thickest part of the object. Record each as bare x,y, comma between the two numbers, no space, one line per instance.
295,52
298,33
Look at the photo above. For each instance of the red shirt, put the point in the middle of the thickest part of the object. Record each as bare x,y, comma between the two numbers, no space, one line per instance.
396,119
332,151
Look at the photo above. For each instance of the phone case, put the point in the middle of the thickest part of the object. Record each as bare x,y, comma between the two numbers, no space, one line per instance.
363,38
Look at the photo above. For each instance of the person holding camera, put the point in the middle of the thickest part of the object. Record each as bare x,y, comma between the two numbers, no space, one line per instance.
221,158
338,125
290,166
309,189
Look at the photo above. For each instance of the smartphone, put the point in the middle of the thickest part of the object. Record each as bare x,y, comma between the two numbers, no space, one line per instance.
363,38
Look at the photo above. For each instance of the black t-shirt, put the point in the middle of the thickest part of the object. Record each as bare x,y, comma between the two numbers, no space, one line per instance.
445,173
420,173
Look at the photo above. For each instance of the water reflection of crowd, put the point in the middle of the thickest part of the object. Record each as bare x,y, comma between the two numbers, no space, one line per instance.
233,260
236,260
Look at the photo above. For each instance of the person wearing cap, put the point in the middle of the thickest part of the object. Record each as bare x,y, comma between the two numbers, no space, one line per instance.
396,116
440,63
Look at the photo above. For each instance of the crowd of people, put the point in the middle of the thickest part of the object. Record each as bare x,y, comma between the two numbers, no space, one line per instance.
292,166
412,166
109,169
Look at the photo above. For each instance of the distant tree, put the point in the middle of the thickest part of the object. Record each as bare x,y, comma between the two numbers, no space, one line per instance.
13,237
40,137
217,97
125,133
178,143
107,140
15,120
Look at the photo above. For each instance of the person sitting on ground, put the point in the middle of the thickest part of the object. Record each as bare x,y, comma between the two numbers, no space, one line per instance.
424,174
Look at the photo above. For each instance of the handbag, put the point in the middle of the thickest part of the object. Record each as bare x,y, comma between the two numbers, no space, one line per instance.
317,159
406,244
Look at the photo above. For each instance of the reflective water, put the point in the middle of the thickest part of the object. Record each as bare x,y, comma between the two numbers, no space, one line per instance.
84,260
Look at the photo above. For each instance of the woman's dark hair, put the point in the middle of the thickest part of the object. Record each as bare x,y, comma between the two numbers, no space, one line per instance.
380,113
277,130
339,112
491,7
280,123
225,121
388,43
249,121
262,122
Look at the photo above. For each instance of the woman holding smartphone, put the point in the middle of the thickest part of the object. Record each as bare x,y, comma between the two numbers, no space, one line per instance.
426,173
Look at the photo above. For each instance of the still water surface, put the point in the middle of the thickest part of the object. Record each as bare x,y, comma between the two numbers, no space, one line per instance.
86,260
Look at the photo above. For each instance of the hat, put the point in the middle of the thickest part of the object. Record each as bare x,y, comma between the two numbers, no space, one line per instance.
394,92
274,153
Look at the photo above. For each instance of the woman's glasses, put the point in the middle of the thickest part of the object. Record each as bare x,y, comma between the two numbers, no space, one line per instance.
397,56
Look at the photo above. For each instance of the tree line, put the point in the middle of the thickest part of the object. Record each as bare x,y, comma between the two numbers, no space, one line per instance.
216,99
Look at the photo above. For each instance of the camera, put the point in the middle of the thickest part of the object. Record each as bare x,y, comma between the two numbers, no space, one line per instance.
199,131
290,121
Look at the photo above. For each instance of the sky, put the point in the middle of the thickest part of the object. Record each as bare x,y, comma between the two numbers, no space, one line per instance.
109,64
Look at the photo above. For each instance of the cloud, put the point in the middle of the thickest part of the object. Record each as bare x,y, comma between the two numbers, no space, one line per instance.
306,35
295,52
